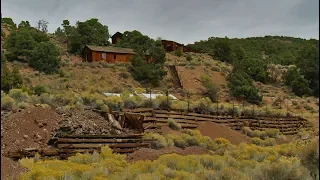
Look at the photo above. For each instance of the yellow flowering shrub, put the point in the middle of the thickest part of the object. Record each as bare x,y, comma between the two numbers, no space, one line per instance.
296,160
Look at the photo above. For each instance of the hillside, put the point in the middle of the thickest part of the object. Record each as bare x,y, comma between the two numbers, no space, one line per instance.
235,109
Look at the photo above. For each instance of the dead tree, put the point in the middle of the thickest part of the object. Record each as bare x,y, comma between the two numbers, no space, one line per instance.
42,25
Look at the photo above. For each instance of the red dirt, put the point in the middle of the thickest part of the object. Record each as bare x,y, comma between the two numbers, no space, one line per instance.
167,130
10,169
214,130
29,128
153,154
190,77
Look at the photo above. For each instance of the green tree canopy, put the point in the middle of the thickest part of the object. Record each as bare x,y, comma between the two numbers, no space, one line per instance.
88,32
308,63
19,45
45,57
148,63
241,85
9,79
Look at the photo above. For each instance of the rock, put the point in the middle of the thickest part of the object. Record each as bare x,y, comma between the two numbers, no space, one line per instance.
114,122
29,112
25,136
40,125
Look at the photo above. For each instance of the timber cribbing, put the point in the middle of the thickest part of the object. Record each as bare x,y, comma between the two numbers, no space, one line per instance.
154,119
68,145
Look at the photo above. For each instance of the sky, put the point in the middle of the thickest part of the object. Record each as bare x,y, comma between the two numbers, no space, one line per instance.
184,21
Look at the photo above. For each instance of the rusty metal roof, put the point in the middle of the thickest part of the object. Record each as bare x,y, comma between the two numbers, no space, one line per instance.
111,49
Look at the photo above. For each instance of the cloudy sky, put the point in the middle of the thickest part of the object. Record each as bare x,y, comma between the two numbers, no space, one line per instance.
184,21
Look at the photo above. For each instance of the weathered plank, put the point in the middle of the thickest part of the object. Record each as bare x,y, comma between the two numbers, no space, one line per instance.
71,140
93,146
89,136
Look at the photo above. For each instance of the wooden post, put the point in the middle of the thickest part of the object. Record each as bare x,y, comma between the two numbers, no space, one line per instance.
167,94
188,96
217,105
253,111
150,97
233,108
242,103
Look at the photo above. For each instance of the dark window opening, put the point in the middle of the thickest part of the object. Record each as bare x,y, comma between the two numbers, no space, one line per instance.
114,57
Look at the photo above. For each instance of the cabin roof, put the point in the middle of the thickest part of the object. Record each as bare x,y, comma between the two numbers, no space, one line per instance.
164,40
117,33
111,49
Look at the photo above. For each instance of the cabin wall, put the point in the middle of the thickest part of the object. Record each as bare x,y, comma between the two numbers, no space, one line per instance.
170,46
111,57
115,39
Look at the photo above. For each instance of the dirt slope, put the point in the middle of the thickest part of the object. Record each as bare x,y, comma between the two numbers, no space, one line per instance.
214,130
28,128
10,169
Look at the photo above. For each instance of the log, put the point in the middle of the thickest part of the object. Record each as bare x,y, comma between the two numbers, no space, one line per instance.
69,140
94,146
102,136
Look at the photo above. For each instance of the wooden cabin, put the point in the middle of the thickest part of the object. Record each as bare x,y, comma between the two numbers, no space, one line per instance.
116,37
170,46
109,54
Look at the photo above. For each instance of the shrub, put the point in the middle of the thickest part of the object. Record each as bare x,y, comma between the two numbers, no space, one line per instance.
22,105
173,124
2,94
189,57
211,89
302,133
310,158
39,89
63,99
241,85
8,103
64,74
257,141
160,140
132,102
247,131
161,102
178,141
46,98
272,133
286,168
215,68
194,62
307,107
179,105
178,53
18,95
124,75
260,134
114,102
269,142
294,102
101,106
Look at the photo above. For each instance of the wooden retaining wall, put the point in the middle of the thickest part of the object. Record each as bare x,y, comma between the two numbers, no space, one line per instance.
67,145
155,119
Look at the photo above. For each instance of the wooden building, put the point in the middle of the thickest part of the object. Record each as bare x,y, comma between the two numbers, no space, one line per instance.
170,46
116,37
109,54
